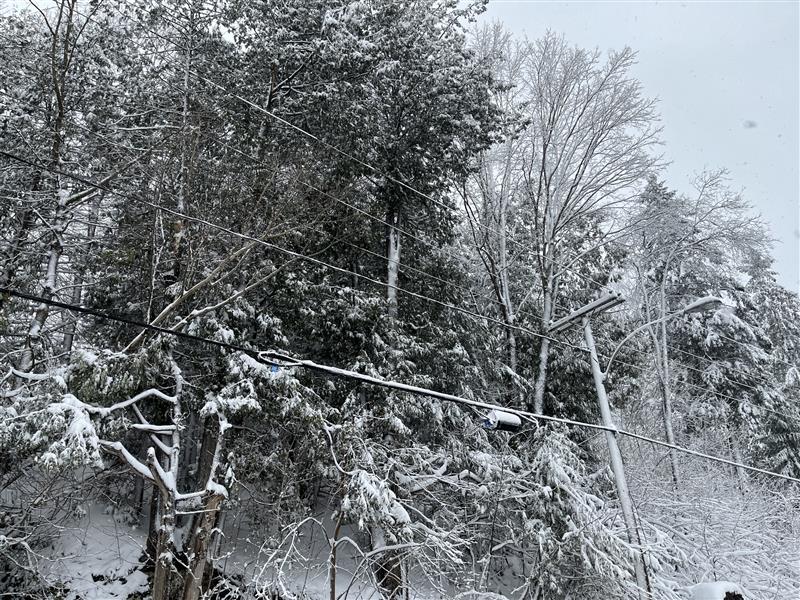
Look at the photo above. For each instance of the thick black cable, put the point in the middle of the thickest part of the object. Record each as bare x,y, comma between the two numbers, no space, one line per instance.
120,319
284,360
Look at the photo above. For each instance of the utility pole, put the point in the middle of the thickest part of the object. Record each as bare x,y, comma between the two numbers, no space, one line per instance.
583,315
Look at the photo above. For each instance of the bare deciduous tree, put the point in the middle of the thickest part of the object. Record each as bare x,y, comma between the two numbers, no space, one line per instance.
588,147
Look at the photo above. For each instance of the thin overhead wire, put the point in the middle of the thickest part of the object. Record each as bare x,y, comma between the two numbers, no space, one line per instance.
377,171
370,167
401,230
299,255
322,263
118,318
712,361
406,186
341,152
319,262
357,160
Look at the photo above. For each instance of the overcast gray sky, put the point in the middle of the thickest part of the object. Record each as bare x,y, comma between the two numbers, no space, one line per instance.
727,75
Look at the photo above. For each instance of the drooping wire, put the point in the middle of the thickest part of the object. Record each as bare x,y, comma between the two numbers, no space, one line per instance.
319,262
288,361
297,255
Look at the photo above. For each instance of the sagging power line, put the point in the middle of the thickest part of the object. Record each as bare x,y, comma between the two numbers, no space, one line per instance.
284,360
298,255
361,276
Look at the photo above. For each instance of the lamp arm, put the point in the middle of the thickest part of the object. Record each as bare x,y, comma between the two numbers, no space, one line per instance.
634,332
622,343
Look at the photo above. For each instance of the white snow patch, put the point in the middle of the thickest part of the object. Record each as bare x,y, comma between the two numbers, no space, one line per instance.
714,590
98,558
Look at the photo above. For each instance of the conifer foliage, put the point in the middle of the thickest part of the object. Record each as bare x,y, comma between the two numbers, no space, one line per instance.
378,187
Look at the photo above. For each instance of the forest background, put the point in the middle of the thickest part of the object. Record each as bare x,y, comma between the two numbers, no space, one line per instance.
388,189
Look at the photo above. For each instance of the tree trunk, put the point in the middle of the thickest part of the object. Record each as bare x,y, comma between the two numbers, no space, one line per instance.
49,284
736,450
666,401
179,226
164,549
393,261
544,348
77,289
59,65
138,497
332,559
388,567
505,291
151,547
198,550
202,528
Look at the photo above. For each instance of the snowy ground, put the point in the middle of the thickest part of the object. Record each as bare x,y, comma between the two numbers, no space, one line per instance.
97,558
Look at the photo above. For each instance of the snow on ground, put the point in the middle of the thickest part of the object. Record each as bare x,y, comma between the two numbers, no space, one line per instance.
714,590
301,567
97,558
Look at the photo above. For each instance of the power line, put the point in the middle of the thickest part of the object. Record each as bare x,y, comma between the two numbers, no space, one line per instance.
350,156
370,167
410,188
401,230
319,262
289,361
395,180
299,255
119,319
712,361
389,177
360,162
384,222
776,358
360,275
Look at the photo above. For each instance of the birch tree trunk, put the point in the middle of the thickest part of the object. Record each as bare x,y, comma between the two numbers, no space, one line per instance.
392,260
550,290
736,450
49,283
61,49
78,278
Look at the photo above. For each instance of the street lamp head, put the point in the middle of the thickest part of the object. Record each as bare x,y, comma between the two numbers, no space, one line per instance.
700,305
703,304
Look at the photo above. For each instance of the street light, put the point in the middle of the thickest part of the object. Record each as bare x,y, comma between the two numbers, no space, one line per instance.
699,305
583,315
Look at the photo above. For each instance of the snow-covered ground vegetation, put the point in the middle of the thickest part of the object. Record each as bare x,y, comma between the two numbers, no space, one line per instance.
266,266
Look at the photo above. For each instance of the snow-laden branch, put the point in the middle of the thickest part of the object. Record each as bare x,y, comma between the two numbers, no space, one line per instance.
423,481
104,411
154,438
133,462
